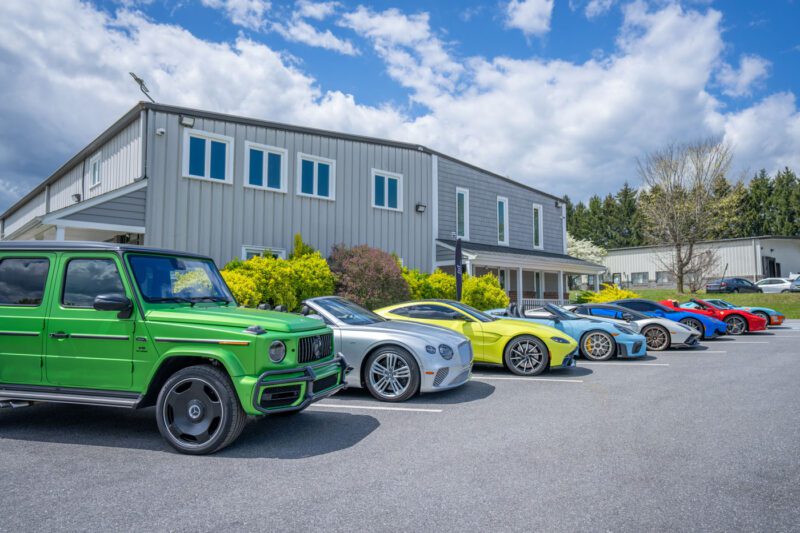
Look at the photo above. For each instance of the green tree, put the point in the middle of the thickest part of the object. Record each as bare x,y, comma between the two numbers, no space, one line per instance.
783,204
757,214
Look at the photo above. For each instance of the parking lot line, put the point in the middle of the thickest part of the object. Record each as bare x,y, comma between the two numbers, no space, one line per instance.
698,351
750,342
620,363
521,378
376,408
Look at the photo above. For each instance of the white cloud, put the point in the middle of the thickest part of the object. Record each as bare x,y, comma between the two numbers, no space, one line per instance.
565,127
297,29
740,82
530,16
249,14
595,8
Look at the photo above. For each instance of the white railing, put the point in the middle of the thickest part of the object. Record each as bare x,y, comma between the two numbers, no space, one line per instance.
539,302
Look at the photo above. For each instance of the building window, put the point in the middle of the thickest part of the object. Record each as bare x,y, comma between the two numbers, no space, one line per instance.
207,156
639,278
663,277
462,213
249,252
387,190
265,167
538,236
95,176
502,220
316,176
616,278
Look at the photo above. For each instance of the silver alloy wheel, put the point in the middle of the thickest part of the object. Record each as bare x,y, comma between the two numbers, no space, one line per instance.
694,323
390,375
526,356
763,315
598,346
736,325
656,337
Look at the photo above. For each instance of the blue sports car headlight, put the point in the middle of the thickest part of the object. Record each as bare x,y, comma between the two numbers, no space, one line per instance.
560,340
445,351
623,329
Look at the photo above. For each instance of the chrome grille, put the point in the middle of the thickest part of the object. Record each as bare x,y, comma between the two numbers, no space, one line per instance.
314,348
465,351
441,375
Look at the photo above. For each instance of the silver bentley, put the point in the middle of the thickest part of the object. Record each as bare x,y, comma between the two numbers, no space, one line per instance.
393,360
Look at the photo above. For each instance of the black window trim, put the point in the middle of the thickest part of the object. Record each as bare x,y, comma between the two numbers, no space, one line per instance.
46,280
88,258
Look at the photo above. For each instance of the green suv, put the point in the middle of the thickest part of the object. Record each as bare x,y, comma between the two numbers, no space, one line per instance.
126,326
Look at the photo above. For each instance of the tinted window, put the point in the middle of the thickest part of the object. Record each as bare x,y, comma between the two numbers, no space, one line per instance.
426,312
86,279
22,281
639,306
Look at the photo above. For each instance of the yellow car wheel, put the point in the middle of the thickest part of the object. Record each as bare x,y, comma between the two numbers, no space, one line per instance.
526,356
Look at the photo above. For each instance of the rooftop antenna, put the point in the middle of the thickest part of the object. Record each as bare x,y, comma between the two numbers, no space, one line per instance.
142,87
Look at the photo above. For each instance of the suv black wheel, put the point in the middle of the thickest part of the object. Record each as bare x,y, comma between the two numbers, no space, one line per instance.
198,411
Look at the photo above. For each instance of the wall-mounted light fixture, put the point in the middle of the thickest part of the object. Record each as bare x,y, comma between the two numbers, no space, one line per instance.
558,204
420,208
160,131
187,121
76,197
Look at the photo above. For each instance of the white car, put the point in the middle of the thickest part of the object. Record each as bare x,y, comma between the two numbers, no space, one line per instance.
774,285
660,333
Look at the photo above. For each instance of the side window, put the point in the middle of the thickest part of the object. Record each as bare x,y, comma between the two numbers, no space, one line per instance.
433,312
640,306
22,281
85,279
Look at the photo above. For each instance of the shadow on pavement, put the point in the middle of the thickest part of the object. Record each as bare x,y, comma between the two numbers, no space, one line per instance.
305,434
499,371
469,392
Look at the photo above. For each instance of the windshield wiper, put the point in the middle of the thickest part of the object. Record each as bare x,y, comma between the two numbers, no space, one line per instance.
217,299
175,299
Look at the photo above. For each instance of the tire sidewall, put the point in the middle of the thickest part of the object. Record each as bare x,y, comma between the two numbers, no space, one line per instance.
542,346
414,383
733,318
586,354
763,315
696,324
663,330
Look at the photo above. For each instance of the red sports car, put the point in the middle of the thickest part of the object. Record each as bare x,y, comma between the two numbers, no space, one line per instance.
738,320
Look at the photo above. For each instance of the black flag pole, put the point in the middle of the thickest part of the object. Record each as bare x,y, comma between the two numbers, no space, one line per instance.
459,269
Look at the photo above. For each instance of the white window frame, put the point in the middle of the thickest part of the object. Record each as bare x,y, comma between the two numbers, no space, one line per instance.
504,200
259,250
267,149
393,175
465,192
541,227
316,159
208,136
95,161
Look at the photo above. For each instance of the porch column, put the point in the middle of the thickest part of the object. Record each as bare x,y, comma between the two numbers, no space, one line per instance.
60,233
560,285
597,283
542,278
519,286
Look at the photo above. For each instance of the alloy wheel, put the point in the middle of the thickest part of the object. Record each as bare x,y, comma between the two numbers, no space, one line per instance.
193,412
693,323
390,375
526,356
598,346
656,337
736,325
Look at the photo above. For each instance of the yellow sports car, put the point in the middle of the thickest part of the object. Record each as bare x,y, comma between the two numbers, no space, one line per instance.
525,348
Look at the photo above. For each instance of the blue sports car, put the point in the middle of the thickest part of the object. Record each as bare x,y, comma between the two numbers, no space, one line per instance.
773,317
597,340
709,327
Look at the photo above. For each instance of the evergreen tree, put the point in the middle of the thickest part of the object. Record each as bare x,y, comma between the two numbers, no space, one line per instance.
757,213
629,225
782,204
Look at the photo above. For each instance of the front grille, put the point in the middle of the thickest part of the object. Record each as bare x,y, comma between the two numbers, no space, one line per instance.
314,348
325,383
622,350
280,396
465,351
637,346
441,375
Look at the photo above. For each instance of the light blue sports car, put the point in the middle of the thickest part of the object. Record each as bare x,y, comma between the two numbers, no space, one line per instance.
597,340
773,317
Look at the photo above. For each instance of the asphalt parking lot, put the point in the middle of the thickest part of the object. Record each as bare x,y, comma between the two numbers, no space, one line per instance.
704,439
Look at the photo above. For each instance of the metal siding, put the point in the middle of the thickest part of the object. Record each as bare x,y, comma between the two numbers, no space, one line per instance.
785,251
35,208
217,218
120,161
483,192
126,210
61,191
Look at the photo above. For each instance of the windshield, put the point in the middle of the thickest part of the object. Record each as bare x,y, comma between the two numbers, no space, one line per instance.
471,311
722,304
163,279
347,311
561,313
635,314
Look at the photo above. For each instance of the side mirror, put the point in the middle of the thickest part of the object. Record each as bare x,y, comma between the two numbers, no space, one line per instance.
627,317
114,302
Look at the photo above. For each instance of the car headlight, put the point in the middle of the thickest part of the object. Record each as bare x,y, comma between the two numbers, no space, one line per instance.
560,340
445,351
277,351
430,349
625,330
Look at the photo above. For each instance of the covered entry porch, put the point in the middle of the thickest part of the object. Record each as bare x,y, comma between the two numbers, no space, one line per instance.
529,277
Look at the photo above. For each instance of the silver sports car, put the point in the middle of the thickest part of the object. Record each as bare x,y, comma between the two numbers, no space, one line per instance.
393,360
660,333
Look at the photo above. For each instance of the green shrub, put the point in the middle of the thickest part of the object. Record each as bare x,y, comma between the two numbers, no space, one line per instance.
368,276
609,293
311,276
483,292
243,288
440,285
416,281
272,278
300,248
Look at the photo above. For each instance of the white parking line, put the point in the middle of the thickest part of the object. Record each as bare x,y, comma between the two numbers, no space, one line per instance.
509,378
749,342
698,351
376,408
620,363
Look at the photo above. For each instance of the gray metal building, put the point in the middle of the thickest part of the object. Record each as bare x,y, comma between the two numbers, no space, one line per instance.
229,186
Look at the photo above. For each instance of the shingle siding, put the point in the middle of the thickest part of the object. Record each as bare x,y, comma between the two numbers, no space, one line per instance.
484,189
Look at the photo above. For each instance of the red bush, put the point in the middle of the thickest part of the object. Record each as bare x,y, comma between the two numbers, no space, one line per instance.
367,276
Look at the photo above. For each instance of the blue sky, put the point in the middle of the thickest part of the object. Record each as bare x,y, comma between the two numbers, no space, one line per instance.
563,95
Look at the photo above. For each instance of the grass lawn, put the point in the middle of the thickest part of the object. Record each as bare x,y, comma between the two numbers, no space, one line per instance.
788,304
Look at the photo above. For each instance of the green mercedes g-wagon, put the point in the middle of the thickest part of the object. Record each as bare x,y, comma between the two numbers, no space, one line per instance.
127,326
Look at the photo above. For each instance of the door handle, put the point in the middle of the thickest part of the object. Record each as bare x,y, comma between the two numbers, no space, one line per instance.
59,335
